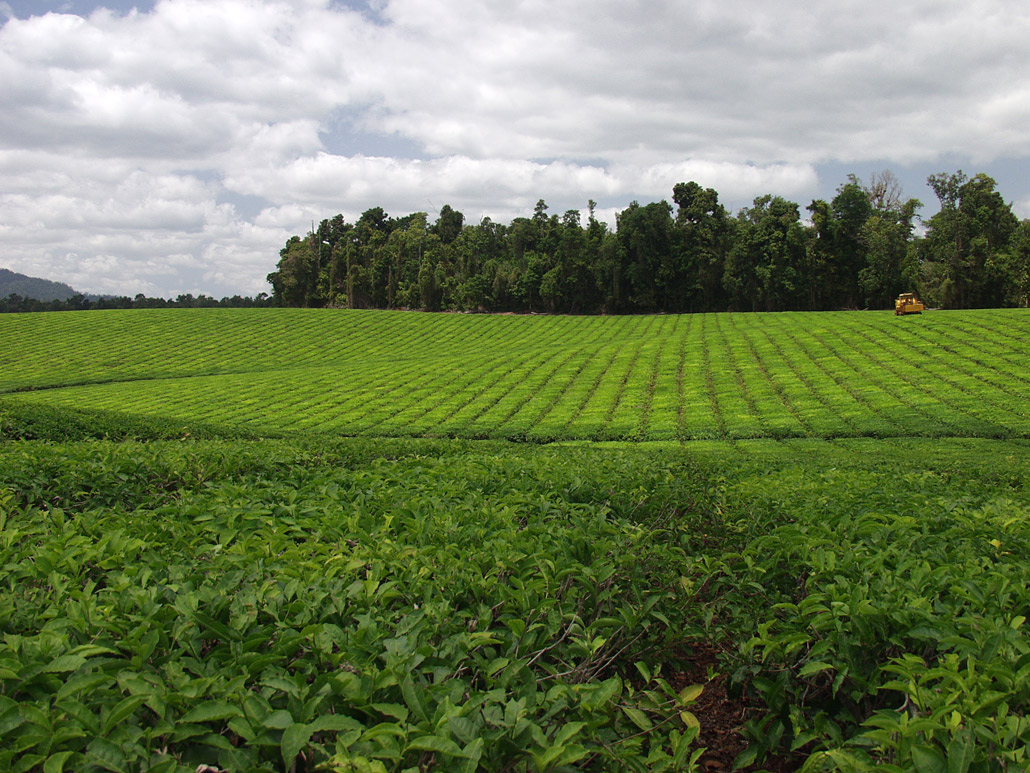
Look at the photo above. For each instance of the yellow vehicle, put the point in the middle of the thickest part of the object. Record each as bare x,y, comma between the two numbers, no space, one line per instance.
907,303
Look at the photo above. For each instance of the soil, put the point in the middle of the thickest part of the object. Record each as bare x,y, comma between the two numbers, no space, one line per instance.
721,716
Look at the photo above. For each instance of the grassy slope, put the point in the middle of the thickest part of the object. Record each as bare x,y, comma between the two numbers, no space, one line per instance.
540,378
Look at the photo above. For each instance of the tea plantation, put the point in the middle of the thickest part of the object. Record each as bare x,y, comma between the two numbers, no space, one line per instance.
391,374
304,540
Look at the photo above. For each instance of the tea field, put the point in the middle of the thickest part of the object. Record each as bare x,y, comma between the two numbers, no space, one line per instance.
395,374
221,550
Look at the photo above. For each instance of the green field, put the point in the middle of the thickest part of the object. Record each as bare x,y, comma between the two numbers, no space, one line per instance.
389,374
302,540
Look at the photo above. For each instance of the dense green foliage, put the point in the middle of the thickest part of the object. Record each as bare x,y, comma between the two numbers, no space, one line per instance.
858,250
387,604
879,594
359,604
198,571
44,422
376,373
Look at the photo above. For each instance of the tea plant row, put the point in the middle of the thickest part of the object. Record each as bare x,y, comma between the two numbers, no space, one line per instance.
540,378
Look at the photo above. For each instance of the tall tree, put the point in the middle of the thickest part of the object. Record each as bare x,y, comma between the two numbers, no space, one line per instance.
836,254
765,268
968,239
645,235
705,235
448,224
884,191
295,280
1019,265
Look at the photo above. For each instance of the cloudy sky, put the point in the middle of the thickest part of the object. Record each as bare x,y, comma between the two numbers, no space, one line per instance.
171,146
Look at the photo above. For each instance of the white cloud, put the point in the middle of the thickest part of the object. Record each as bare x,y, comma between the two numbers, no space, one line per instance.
1022,208
506,187
122,134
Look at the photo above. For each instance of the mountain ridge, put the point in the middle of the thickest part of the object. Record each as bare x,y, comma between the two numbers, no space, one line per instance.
34,287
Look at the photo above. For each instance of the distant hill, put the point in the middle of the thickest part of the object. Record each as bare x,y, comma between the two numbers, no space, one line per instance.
33,287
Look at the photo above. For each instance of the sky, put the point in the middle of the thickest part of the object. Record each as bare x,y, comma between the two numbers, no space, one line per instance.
173,146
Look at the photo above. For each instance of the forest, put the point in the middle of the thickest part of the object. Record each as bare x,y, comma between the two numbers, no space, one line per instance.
15,303
858,250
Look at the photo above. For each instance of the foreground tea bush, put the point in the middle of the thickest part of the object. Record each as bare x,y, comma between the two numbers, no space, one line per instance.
886,590
350,606
370,605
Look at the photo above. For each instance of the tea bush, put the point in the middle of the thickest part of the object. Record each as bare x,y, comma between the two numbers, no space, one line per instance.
347,606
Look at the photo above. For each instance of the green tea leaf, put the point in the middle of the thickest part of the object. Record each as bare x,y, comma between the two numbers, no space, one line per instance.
638,717
11,719
814,667
435,743
414,698
278,720
395,710
295,738
106,754
960,752
211,711
928,760
65,663
222,631
690,693
122,710
335,723
55,762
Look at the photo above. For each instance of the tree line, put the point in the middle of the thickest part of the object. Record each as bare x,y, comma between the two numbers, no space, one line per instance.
79,302
858,250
